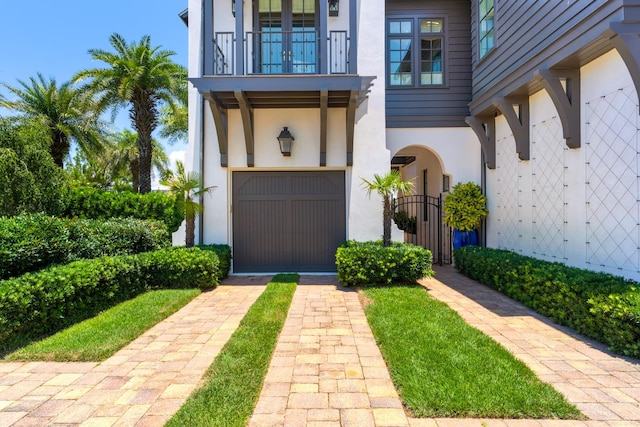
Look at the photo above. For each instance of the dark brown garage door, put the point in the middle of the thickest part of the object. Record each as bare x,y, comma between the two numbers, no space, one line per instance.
287,221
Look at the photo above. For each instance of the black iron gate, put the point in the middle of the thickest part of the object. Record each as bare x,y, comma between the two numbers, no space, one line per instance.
420,217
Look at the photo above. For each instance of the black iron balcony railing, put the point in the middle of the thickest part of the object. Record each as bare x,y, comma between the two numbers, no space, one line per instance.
281,52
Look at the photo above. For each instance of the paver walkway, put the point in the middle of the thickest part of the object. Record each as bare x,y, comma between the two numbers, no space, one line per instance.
326,370
143,384
605,387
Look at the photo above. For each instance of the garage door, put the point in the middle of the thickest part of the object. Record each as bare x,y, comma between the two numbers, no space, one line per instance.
287,221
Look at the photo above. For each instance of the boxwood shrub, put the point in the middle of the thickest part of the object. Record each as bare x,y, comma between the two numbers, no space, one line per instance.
92,203
365,263
116,236
41,303
34,241
224,257
599,305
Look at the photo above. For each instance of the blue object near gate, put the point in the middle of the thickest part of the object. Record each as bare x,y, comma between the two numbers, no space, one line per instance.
464,238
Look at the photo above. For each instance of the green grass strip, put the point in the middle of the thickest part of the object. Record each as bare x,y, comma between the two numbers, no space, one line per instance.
234,380
442,367
100,337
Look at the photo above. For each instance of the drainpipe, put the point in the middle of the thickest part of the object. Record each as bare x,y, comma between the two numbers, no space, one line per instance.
202,127
483,187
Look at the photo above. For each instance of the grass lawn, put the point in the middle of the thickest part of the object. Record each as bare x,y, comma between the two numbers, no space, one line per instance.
98,338
234,380
442,367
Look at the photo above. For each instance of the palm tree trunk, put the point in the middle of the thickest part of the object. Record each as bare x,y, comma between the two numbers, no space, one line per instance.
134,168
190,232
386,222
59,147
144,116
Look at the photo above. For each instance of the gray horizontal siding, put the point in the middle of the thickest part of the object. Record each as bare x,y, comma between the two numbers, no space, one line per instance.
439,106
534,34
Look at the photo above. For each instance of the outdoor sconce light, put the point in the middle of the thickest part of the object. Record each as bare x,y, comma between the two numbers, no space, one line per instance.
334,7
285,138
233,8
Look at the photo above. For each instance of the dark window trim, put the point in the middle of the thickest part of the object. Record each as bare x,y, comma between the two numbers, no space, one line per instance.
415,60
482,58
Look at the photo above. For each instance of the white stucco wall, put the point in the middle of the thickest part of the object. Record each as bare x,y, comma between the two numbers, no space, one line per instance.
370,153
457,149
194,66
576,206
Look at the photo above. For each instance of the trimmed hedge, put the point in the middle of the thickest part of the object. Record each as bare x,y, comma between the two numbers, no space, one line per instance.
91,203
599,305
224,257
35,241
365,263
39,304
117,236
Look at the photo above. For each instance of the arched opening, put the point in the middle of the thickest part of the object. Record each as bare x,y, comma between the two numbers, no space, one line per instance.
419,215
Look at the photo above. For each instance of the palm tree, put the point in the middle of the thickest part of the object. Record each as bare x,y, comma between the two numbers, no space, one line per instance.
142,78
61,109
124,158
175,120
387,186
186,186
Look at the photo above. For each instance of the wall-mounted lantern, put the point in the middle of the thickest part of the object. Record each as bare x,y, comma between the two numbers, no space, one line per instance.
285,139
233,8
334,7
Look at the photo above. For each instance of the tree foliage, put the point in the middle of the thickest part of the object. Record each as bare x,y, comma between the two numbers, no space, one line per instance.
117,164
141,78
186,186
61,109
465,207
31,181
387,186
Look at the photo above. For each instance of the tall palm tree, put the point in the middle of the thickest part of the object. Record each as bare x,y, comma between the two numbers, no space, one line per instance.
186,187
387,186
139,77
175,120
119,159
61,109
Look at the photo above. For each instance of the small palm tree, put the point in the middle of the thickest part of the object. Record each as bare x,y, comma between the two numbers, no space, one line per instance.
60,108
387,186
142,78
186,186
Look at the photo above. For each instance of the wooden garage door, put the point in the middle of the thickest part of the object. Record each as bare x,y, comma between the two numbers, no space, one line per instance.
287,221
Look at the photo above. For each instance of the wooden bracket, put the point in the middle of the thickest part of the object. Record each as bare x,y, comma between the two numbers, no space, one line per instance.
485,130
518,120
566,99
246,112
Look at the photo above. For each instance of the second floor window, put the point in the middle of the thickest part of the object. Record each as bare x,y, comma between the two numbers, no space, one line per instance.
415,52
487,34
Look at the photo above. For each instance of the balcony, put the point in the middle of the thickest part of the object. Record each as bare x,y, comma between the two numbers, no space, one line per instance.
281,52
299,67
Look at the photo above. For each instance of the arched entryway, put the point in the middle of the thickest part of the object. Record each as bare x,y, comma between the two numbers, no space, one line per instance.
419,215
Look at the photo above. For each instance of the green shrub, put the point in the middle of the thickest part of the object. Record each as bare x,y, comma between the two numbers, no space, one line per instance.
34,241
100,204
122,236
224,257
364,263
179,268
599,305
38,304
30,181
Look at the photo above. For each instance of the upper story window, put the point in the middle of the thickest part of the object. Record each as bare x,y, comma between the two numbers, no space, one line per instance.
415,52
487,34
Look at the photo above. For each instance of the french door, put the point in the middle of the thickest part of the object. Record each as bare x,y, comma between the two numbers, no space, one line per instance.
285,36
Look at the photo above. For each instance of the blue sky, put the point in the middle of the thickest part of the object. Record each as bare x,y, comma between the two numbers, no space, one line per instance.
53,36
